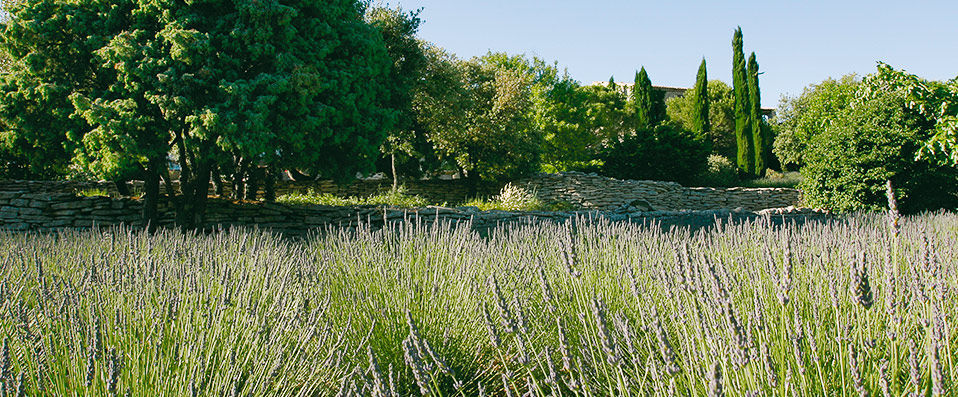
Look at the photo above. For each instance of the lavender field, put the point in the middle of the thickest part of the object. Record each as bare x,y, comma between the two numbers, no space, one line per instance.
851,307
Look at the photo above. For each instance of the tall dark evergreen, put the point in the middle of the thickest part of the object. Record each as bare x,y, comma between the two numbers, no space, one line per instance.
760,142
745,157
700,106
612,85
642,100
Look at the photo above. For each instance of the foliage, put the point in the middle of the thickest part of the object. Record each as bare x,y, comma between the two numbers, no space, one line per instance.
721,131
642,101
292,85
791,179
719,172
578,122
568,133
608,114
745,153
700,102
761,141
406,142
511,198
49,49
808,115
92,192
399,197
933,100
872,140
483,124
561,309
665,153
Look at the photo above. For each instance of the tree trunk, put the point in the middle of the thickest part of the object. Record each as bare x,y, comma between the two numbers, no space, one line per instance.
392,160
191,211
269,185
201,190
122,188
217,180
253,177
238,174
151,197
297,176
168,183
472,181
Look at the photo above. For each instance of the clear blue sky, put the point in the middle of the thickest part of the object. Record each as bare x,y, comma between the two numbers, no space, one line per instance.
796,42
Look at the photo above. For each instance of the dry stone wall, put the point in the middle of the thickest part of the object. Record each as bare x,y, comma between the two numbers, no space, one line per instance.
586,191
32,211
598,192
43,206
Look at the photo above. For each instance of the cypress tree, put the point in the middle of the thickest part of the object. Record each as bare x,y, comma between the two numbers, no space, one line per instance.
642,98
612,86
745,157
700,106
759,142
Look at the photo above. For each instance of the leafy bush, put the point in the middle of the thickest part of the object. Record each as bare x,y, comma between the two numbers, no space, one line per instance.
776,179
875,139
392,198
511,198
801,118
665,153
719,172
92,192
721,116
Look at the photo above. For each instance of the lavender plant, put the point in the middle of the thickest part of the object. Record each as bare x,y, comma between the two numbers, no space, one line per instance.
584,308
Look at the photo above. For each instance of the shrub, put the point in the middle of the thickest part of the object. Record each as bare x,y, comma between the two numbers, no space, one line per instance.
92,192
719,172
511,198
776,179
115,311
874,140
665,153
392,198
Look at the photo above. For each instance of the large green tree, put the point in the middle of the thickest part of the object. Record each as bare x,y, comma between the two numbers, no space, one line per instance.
761,144
745,156
48,51
301,84
721,133
851,136
664,153
934,100
874,139
481,121
406,139
642,98
801,118
700,102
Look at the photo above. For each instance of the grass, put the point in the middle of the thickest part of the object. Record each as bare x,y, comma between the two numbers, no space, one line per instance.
92,192
393,198
513,198
775,179
585,308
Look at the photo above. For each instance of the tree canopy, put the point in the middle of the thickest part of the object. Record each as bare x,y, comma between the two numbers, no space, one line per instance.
808,115
406,139
745,157
934,100
854,136
700,101
296,85
481,118
721,133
